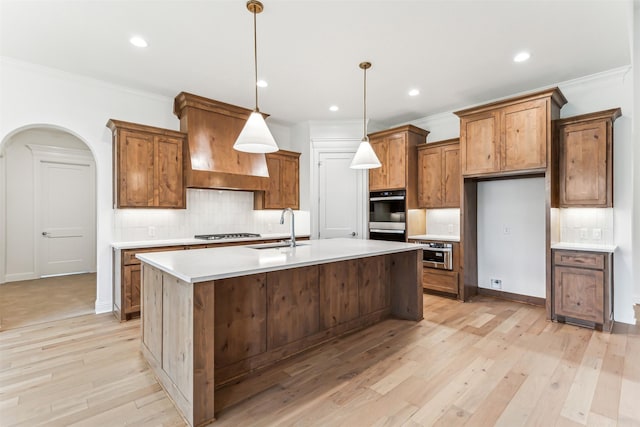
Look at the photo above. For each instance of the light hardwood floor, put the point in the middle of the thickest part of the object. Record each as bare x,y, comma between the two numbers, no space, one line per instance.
484,363
43,300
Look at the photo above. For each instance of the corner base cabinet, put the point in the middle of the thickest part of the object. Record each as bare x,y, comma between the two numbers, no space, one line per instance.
583,288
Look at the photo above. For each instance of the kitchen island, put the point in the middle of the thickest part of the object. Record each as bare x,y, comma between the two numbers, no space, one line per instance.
211,316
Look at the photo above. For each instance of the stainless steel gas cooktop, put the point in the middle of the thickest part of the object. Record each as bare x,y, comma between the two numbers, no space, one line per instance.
225,236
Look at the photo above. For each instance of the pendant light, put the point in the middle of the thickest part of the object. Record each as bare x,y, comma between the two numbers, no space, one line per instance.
255,136
365,157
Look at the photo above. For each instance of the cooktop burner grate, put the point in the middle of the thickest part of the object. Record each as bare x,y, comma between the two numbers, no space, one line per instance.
225,236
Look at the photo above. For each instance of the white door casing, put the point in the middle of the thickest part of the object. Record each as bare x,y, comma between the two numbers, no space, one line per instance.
340,191
65,211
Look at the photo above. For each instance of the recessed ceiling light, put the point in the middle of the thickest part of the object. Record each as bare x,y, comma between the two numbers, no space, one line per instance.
414,92
334,108
138,41
262,83
521,57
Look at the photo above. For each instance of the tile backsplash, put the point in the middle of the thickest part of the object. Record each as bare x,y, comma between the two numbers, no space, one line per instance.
208,212
443,222
586,225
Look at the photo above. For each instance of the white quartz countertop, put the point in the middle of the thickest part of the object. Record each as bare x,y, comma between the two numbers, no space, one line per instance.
584,247
192,241
200,265
437,237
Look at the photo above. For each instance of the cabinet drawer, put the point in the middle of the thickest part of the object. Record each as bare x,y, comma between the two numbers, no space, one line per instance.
440,280
129,255
579,259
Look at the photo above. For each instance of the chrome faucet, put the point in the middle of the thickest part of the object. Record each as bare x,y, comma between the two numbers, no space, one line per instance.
292,242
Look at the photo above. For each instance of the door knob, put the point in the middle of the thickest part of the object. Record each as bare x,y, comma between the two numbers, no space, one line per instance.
353,233
45,233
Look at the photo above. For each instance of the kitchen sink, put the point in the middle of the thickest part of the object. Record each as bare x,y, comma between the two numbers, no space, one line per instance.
275,245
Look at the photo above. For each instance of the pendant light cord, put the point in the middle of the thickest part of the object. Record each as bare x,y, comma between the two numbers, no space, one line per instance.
364,119
255,57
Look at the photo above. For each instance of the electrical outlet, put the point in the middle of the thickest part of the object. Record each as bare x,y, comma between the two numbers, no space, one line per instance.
596,234
506,230
496,284
583,234
151,231
450,228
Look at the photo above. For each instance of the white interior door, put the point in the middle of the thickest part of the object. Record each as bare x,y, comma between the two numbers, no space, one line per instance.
65,229
340,198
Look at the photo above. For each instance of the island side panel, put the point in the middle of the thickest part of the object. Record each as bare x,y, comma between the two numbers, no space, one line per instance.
177,341
152,313
203,352
406,285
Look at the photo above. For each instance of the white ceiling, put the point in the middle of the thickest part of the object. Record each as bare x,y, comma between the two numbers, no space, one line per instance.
457,53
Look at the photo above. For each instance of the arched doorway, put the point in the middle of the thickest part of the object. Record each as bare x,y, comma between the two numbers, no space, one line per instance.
49,196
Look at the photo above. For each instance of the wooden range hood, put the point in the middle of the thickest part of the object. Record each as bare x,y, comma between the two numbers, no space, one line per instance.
210,161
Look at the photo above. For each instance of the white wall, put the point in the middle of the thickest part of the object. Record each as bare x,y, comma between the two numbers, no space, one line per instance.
635,54
34,96
511,235
589,94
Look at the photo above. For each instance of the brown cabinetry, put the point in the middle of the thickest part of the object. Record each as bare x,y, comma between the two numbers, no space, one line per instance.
284,187
585,158
396,149
509,137
582,288
147,166
126,292
439,174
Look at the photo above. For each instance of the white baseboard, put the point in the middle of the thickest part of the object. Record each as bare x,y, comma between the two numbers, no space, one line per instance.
16,277
104,306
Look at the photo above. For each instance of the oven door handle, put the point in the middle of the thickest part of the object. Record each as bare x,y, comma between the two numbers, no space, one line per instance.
384,199
380,230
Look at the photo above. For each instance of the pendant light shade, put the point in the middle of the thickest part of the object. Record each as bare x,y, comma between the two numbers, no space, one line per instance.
255,136
365,157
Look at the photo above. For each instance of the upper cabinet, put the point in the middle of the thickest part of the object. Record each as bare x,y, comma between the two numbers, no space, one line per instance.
585,159
509,137
284,175
147,166
439,174
396,149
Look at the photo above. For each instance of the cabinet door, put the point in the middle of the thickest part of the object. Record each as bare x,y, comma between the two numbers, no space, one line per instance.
378,176
272,199
430,174
451,178
339,301
131,284
579,293
293,305
135,169
524,128
583,165
169,177
479,142
397,161
290,176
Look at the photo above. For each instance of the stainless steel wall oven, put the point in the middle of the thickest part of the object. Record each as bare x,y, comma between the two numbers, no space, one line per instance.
387,210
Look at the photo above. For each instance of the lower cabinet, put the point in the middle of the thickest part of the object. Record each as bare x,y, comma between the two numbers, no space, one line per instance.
440,280
583,288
